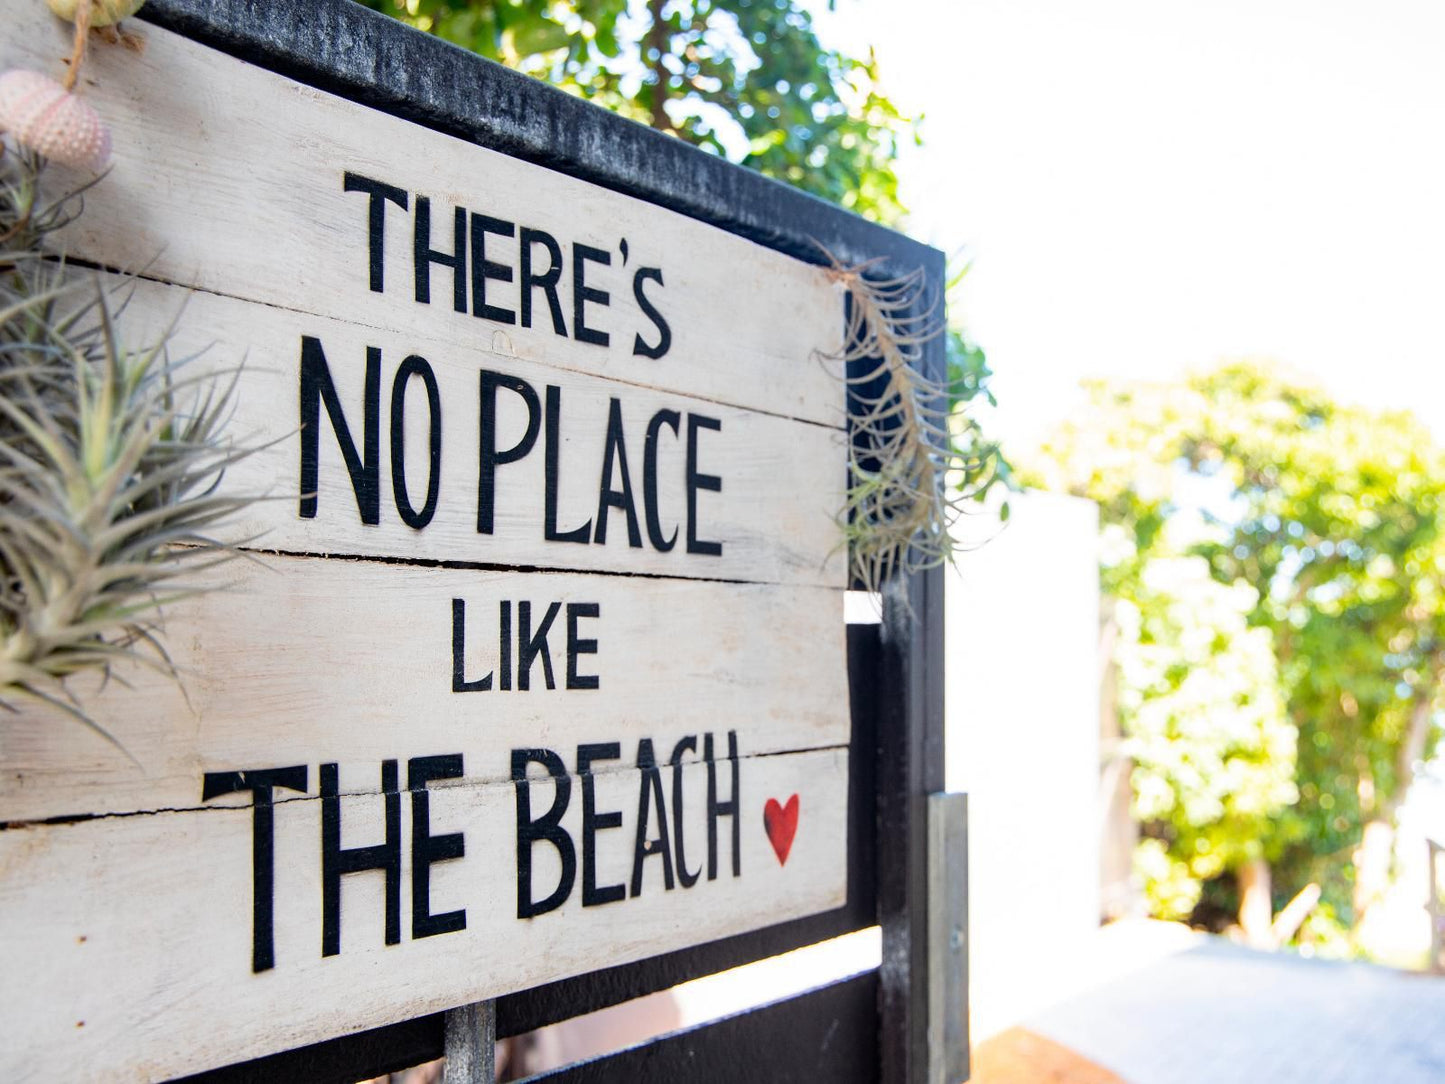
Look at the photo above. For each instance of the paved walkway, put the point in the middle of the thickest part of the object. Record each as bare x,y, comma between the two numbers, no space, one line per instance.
1217,1013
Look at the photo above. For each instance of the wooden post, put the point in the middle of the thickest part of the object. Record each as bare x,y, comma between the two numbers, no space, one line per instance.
910,768
471,1044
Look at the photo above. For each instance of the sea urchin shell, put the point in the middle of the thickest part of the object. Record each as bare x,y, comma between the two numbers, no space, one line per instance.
48,119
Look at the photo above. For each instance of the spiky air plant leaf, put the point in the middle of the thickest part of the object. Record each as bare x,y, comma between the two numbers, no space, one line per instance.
909,479
110,459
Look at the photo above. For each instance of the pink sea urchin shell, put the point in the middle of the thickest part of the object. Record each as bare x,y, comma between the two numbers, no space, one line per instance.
45,117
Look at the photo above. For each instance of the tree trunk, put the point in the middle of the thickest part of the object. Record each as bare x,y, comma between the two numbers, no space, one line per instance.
1372,857
1119,895
1294,913
657,44
1372,868
1256,903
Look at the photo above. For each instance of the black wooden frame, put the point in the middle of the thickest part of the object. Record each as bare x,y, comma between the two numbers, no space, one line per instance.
895,670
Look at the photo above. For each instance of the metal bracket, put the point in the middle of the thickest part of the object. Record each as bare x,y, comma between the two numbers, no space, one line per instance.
947,938
470,1044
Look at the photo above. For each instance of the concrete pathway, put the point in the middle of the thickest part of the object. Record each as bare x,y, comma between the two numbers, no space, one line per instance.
1217,1013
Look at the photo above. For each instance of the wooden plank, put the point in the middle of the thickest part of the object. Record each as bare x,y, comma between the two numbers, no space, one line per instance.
232,179
396,1046
830,1034
304,660
201,883
561,1000
352,51
110,955
767,514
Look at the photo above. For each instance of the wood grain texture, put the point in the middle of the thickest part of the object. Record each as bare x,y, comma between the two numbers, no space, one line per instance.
774,515
394,1047
303,660
540,1006
129,902
124,933
230,179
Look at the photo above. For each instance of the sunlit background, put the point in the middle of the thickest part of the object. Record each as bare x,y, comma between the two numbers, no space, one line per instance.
1150,187
1150,184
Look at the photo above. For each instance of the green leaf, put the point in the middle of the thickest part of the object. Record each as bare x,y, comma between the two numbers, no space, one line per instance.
539,36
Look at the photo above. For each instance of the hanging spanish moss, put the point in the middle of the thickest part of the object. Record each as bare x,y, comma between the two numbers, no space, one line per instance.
909,479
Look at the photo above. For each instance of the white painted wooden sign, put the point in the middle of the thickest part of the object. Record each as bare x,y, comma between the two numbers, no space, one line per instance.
540,665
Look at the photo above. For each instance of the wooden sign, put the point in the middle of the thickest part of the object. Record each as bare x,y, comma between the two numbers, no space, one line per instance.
539,667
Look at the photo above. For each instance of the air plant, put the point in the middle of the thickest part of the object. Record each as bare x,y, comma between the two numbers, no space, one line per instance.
909,478
110,458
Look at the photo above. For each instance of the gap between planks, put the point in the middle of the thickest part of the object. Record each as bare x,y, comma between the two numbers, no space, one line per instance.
454,565
69,819
161,280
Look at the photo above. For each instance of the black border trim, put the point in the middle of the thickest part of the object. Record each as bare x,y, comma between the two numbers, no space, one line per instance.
365,56
827,1034
343,48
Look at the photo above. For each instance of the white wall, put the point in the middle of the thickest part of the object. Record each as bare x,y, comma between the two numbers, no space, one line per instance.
1022,739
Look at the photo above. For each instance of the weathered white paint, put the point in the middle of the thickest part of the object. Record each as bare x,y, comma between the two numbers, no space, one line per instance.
782,480
128,940
229,178
299,660
126,931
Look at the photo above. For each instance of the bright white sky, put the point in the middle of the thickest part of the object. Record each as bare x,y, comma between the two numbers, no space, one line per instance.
1147,185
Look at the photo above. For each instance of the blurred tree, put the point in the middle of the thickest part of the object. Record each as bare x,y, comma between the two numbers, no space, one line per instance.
746,79
1333,517
1212,747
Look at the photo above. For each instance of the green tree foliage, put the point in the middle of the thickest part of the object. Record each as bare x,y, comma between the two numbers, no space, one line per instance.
1332,515
1212,747
982,462
747,79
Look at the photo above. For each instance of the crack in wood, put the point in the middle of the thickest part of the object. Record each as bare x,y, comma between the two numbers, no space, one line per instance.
243,804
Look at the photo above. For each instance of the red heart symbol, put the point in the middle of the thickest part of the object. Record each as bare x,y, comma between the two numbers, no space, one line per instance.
781,821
